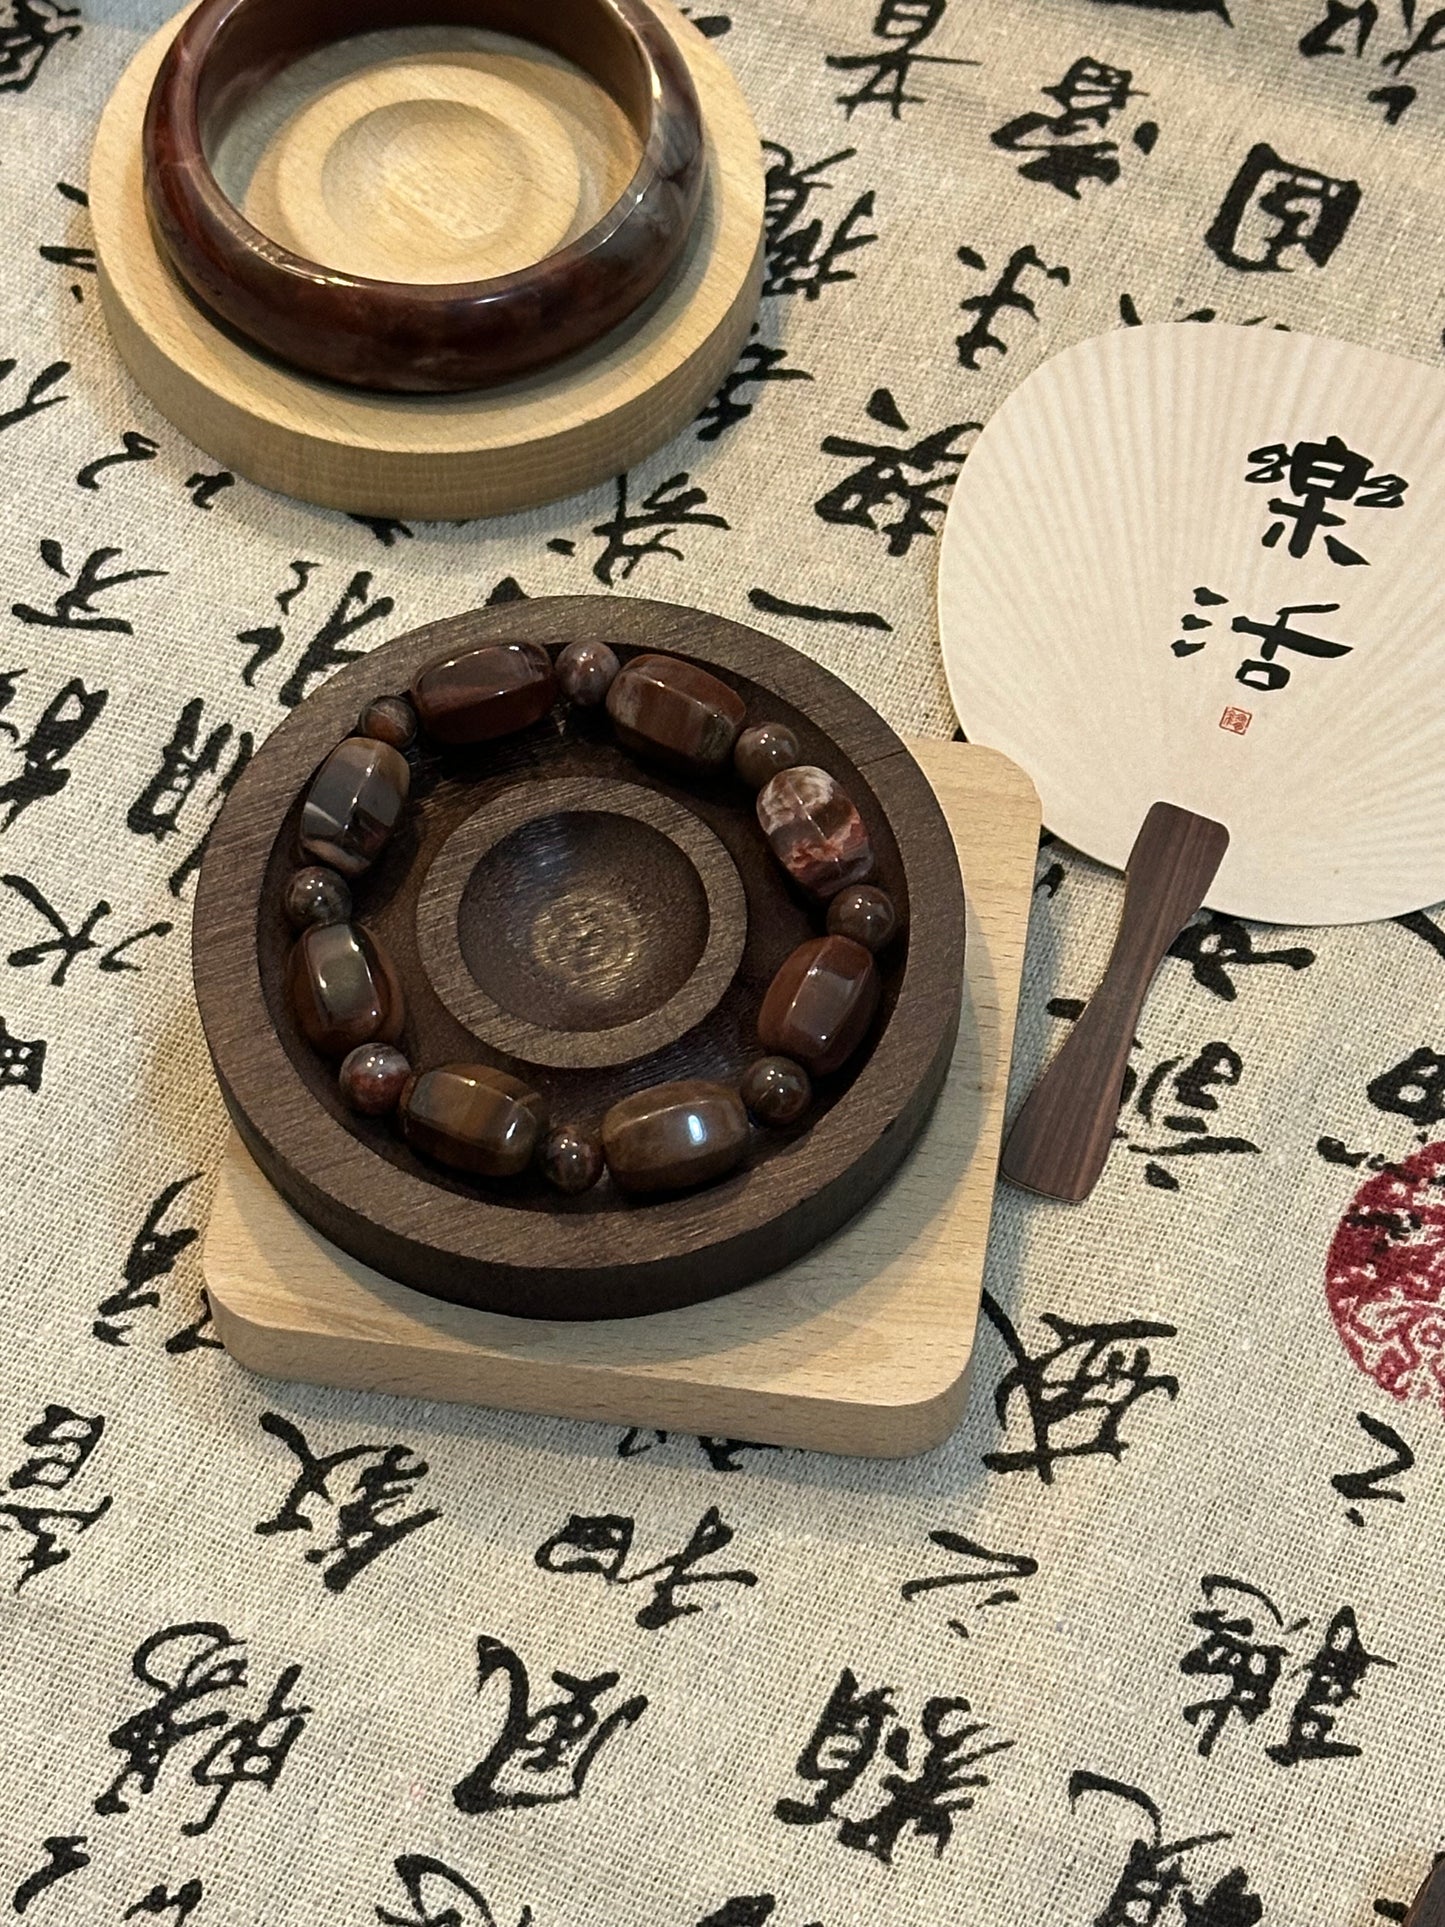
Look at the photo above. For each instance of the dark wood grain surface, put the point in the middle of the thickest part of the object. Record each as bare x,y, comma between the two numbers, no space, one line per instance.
1059,1142
519,1247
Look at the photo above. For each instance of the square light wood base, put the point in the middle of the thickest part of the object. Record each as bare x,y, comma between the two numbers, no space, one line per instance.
861,1347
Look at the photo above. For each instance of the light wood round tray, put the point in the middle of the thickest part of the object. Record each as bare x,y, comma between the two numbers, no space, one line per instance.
434,154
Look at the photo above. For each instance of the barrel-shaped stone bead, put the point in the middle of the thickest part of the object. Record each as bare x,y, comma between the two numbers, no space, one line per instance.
473,1118
674,1136
354,803
820,1004
815,830
483,693
673,711
342,989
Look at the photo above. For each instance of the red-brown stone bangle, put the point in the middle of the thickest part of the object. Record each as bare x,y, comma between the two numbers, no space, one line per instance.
402,336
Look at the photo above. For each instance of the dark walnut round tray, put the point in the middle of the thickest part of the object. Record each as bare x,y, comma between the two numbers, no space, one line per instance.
593,925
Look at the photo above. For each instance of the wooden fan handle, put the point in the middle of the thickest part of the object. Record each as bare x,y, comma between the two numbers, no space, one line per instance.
1060,1139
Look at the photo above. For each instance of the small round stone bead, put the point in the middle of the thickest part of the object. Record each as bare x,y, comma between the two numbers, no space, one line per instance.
571,1159
866,914
390,719
776,1090
762,751
584,673
372,1078
317,895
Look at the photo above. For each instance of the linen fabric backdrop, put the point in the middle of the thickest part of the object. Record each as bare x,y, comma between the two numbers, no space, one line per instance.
1157,1635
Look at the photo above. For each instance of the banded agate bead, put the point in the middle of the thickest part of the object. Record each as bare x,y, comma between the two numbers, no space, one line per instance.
762,751
342,989
354,803
674,1136
484,693
473,1118
815,830
586,671
675,712
820,1004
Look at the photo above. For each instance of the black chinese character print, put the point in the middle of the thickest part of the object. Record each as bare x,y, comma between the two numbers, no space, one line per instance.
355,609
22,1061
69,715
204,488
159,1901
1333,1678
30,30
1005,296
60,1446
542,1755
723,1455
369,1511
999,1572
1089,95
134,447
1215,945
1155,1884
759,362
674,504
1251,1662
1075,1394
1233,1651
1317,473
67,944
64,1854
74,608
184,1667
152,1255
843,1746
903,26
601,1544
1345,30
433,1891
38,392
185,763
80,260
911,478
1369,1487
804,255
1179,1098
1275,210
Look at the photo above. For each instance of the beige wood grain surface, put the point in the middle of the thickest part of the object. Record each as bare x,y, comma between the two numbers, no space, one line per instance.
434,155
861,1347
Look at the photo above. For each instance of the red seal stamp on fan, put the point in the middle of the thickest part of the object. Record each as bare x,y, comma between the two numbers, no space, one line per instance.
1385,1277
1237,721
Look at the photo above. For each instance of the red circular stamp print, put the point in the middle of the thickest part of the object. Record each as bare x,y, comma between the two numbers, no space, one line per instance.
1385,1277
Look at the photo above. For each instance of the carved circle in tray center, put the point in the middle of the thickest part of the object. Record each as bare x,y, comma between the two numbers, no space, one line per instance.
581,923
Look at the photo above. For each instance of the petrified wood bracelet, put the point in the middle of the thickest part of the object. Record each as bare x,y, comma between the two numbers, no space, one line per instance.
453,980
401,336
478,1119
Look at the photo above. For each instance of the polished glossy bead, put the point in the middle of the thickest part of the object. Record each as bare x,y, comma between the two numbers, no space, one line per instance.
674,1136
762,751
571,1159
674,711
820,1004
815,830
866,914
487,692
316,895
390,719
776,1090
473,1118
354,803
586,671
342,989
372,1078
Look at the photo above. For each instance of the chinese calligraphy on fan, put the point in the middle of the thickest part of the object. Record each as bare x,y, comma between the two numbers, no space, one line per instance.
1313,484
